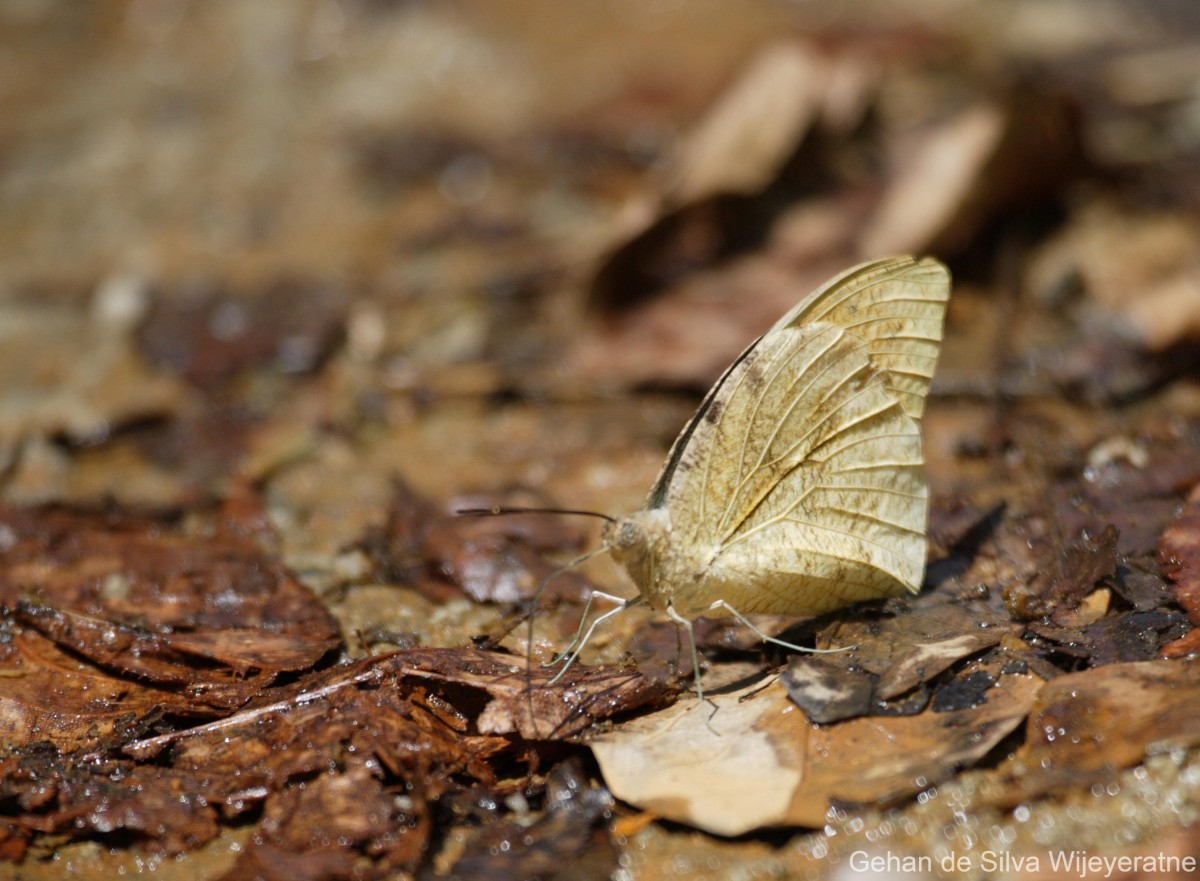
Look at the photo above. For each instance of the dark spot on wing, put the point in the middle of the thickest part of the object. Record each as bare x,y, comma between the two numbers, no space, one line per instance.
713,413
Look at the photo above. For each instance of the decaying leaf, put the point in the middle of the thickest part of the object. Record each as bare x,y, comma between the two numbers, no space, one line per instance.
1086,725
490,559
1074,571
66,371
568,843
713,199
207,335
523,701
170,622
343,764
765,765
955,176
891,654
148,569
48,695
827,692
741,145
1139,269
1179,556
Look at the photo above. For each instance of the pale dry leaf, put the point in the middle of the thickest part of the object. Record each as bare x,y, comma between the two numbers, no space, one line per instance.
1169,311
929,191
1141,268
766,765
673,764
743,141
954,177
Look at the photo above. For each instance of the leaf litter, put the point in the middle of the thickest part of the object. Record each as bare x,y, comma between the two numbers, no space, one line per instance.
501,298
124,624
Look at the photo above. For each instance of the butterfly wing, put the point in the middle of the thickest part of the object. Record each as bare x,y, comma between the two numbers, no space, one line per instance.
798,486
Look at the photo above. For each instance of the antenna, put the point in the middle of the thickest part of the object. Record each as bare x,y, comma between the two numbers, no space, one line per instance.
502,510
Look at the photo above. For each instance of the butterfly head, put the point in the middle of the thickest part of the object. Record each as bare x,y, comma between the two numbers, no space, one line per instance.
635,541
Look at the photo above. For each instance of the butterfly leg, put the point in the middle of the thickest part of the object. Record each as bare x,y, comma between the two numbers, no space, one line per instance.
686,626
572,653
721,604
577,638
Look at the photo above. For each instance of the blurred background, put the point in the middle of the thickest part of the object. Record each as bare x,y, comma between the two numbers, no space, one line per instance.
236,230
214,187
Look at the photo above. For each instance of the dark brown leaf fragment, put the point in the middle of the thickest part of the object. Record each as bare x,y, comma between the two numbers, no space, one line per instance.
1132,636
208,334
1087,725
1179,556
963,692
1073,571
523,701
827,692
567,842
496,559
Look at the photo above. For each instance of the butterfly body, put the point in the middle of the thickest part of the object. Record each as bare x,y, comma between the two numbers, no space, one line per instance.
798,486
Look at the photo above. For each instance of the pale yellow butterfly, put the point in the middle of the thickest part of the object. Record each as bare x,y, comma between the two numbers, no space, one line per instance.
798,487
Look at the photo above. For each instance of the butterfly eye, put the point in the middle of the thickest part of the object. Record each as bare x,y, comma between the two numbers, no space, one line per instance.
626,535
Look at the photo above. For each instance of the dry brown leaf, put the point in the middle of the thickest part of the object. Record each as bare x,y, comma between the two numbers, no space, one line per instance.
48,695
1085,726
207,335
569,842
169,621
953,178
490,559
739,170
1179,556
65,371
1141,268
524,702
923,198
917,642
765,765
752,129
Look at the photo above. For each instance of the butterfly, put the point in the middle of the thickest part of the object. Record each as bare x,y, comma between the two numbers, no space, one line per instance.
798,486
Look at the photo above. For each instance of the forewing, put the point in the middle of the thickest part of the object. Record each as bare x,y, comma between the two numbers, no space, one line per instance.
896,307
805,460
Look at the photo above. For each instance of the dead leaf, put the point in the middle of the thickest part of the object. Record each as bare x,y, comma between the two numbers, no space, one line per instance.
1179,556
740,146
952,178
523,701
50,696
765,765
1139,269
1073,572
206,335
499,559
1085,726
827,692
918,640
567,842
319,830
410,722
170,622
1133,636
147,568
74,372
